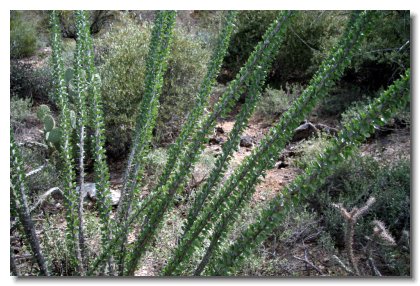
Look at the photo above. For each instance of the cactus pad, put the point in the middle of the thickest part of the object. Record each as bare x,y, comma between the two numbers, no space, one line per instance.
43,110
54,136
49,122
68,76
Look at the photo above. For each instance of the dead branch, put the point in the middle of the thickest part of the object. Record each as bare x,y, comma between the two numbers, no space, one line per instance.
37,170
309,263
342,265
351,219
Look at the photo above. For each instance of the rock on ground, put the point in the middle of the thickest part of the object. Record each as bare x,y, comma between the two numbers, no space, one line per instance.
90,192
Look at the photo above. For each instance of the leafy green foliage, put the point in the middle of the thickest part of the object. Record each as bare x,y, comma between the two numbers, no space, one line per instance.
156,67
227,203
308,149
385,52
310,37
26,80
217,204
357,179
341,148
123,54
23,36
20,206
203,98
261,56
60,95
276,101
19,110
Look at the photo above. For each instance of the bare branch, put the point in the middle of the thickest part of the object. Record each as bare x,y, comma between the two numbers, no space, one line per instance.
309,263
341,263
44,196
37,170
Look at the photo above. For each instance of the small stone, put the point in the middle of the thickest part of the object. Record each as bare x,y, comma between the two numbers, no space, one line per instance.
304,131
281,165
220,130
327,129
246,141
90,192
216,140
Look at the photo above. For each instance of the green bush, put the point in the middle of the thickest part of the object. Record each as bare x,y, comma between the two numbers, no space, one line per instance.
23,36
310,35
352,184
385,53
20,108
276,101
307,150
402,117
29,81
155,162
122,55
56,249
301,228
341,97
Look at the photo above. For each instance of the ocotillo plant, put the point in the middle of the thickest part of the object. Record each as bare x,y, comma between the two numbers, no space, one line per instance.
229,198
60,95
155,68
255,68
216,204
375,114
20,208
262,54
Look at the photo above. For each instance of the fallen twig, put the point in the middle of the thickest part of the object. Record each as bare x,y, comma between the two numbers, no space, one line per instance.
43,197
341,263
37,170
309,263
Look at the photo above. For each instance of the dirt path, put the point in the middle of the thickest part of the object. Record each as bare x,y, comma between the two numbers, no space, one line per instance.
275,179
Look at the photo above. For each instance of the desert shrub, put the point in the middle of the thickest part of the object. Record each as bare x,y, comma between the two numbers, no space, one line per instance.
352,111
352,184
154,164
19,109
122,56
311,33
385,52
276,101
402,118
301,229
52,238
209,25
29,81
341,97
97,21
55,247
307,150
23,36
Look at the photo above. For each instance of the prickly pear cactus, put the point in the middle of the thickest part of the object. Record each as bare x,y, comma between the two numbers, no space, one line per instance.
68,76
53,137
43,110
49,123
